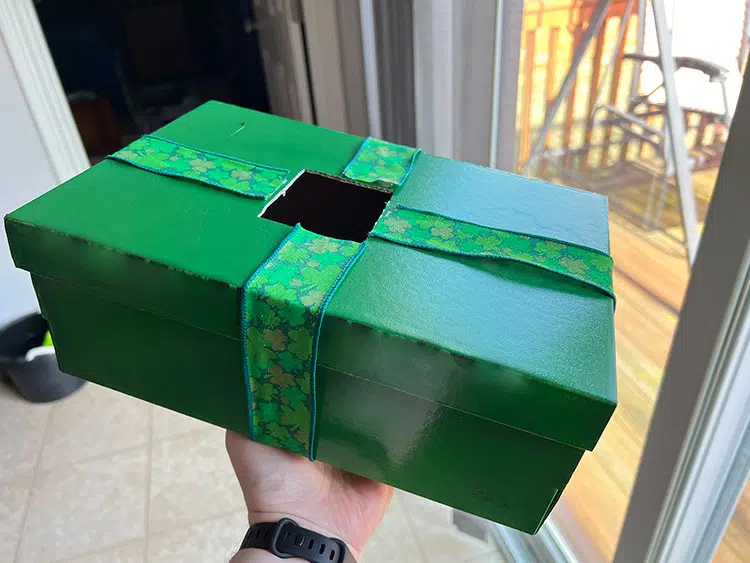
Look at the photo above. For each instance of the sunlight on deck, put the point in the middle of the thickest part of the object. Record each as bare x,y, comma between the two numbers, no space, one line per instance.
651,275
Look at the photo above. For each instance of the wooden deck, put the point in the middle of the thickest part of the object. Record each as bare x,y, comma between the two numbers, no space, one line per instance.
650,277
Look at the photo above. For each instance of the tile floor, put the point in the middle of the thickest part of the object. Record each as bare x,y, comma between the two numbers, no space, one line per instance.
102,477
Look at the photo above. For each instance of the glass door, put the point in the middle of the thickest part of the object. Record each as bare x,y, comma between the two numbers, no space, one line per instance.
611,134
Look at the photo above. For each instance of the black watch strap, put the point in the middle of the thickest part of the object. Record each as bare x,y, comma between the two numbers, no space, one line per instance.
285,539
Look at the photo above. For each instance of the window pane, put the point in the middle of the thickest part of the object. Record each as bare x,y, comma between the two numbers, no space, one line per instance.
609,137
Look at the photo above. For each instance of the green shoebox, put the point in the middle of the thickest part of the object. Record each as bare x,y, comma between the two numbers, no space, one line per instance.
476,383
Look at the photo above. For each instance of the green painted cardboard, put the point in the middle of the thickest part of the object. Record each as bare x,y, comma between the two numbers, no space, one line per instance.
472,382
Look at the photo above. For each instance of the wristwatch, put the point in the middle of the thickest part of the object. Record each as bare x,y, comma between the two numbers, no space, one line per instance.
285,539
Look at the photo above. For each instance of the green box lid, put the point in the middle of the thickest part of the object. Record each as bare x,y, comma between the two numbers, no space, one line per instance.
497,339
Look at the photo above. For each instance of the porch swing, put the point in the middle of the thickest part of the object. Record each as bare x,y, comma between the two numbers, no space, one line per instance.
650,130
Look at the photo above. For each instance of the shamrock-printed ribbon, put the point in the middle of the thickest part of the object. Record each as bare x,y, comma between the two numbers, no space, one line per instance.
433,231
380,163
169,158
282,311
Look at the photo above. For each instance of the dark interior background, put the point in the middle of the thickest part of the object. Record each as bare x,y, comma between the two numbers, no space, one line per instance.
131,66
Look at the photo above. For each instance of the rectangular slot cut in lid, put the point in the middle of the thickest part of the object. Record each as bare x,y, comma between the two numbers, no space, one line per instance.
328,206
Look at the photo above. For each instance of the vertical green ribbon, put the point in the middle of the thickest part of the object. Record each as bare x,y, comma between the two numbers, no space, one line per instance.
282,311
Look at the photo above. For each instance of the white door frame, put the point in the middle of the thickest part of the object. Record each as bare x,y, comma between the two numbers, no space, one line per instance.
466,78
282,46
334,52
370,66
27,48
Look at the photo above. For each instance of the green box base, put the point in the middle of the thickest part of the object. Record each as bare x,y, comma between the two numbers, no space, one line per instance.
421,446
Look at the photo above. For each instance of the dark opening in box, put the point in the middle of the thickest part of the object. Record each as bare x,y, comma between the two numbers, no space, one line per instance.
328,206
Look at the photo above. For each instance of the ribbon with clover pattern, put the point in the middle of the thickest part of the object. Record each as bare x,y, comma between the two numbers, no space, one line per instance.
432,231
170,158
283,304
380,163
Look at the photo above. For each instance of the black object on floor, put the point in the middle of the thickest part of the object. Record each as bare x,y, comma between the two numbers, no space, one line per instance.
37,379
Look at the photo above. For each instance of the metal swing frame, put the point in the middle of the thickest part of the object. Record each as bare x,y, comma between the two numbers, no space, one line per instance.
674,148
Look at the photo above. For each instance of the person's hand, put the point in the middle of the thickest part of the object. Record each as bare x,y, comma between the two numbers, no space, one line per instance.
332,502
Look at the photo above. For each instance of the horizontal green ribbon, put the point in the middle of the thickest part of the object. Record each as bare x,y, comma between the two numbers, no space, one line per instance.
380,163
170,158
282,311
433,231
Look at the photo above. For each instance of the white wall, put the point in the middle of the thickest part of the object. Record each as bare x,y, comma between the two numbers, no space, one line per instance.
25,173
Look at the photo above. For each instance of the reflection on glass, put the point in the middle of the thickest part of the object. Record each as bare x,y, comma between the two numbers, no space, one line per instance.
735,545
620,152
